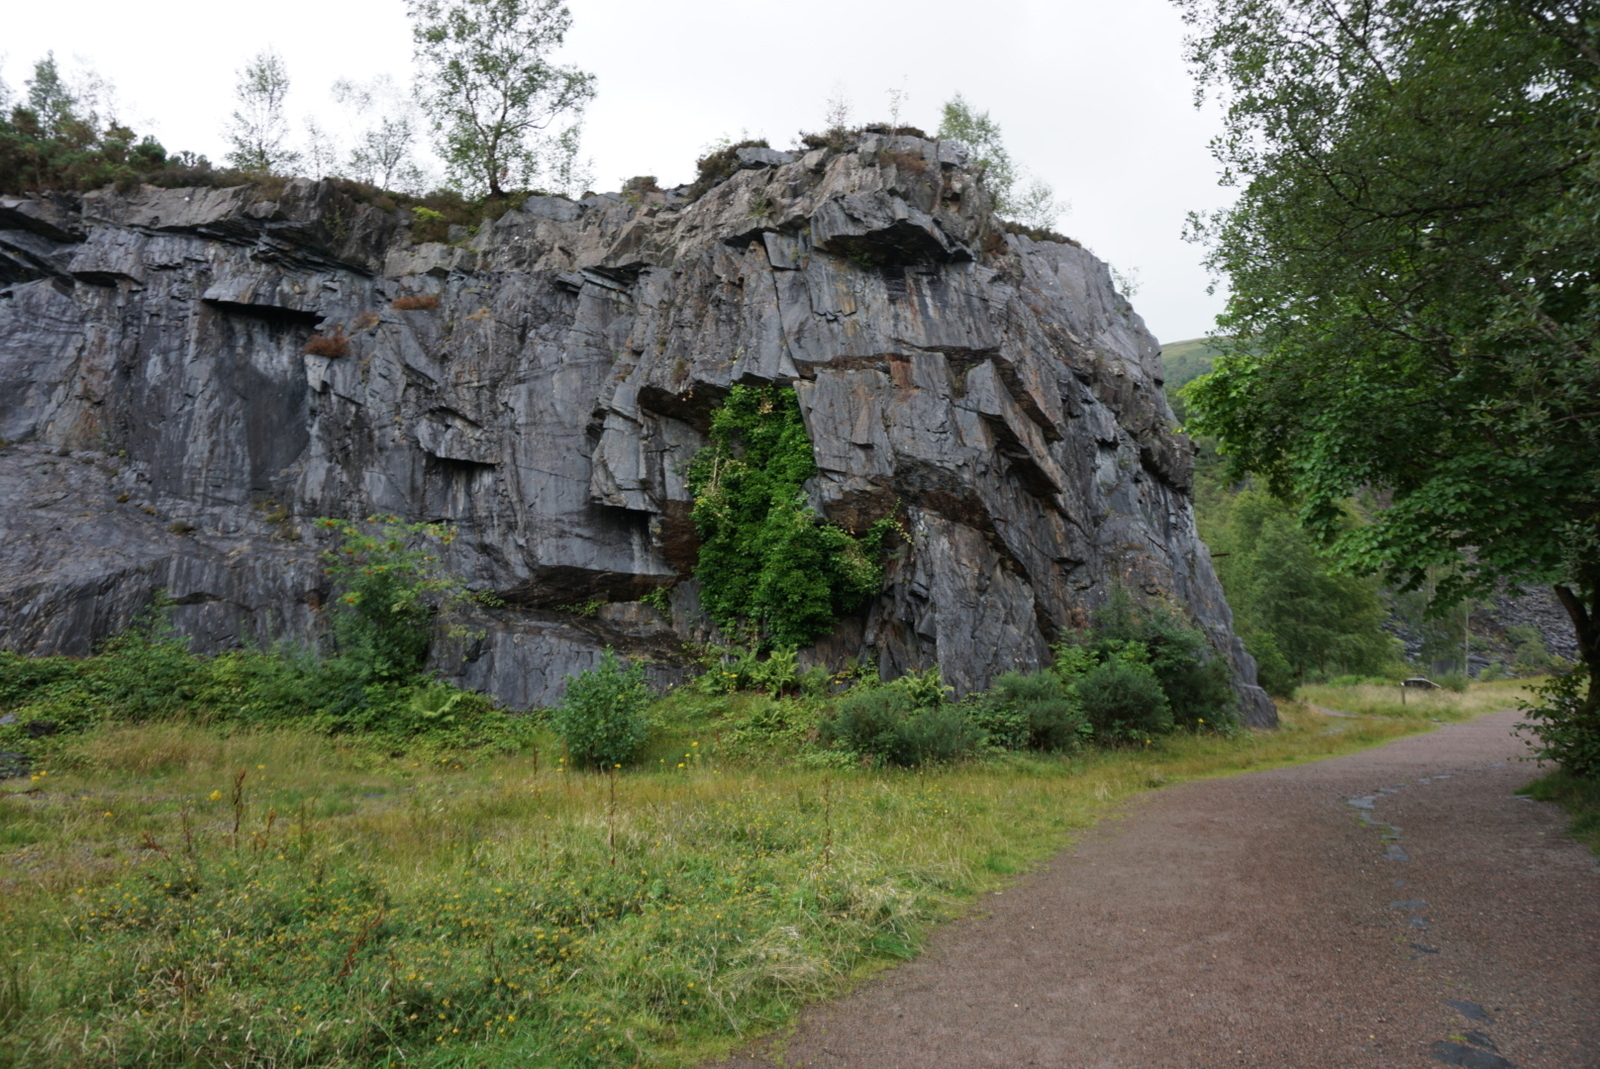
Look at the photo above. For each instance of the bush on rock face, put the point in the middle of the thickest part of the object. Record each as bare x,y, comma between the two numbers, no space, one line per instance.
602,717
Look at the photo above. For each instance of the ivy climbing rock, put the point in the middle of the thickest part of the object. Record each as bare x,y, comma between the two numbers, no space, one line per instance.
768,564
545,386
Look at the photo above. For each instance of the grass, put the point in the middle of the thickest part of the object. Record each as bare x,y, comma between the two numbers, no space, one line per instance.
1579,796
174,896
1388,700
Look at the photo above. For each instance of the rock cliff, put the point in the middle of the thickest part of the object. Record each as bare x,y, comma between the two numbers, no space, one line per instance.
544,390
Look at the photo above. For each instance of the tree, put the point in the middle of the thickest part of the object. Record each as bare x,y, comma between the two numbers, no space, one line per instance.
1295,613
492,94
321,156
68,108
56,138
1414,302
50,99
382,155
259,129
1031,202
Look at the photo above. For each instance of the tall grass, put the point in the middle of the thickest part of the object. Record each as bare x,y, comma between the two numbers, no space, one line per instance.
1390,700
174,897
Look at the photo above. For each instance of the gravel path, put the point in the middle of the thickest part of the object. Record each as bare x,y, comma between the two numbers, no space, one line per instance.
1398,907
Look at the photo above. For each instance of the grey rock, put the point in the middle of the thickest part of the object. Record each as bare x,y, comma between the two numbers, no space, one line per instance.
51,215
1470,1010
1468,1057
995,394
556,209
762,157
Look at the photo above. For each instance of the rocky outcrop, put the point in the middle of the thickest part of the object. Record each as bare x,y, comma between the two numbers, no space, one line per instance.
169,431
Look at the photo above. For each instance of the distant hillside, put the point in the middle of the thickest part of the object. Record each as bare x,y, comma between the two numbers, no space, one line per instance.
1186,361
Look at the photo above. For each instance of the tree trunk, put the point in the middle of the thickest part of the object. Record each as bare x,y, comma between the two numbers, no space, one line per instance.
1583,606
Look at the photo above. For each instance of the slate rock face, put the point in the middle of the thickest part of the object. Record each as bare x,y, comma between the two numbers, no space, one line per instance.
994,392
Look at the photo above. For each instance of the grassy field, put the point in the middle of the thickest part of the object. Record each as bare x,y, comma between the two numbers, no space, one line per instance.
1390,700
172,896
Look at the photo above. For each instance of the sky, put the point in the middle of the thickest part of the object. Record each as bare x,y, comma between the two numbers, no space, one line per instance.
1092,97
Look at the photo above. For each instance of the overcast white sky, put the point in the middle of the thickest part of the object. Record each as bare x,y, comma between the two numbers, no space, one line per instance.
1092,96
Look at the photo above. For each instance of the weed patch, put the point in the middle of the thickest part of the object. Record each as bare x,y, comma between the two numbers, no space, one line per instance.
1579,796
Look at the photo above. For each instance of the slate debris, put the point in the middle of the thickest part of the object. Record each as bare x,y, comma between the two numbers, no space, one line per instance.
1470,1010
1468,1057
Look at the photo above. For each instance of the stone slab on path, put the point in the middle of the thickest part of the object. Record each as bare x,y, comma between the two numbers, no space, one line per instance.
1398,907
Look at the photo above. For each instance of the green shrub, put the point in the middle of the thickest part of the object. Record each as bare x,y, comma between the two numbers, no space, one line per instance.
1037,711
1123,701
1005,726
602,717
1456,681
144,673
728,669
886,724
924,689
1530,657
1568,733
26,678
287,684
1273,671
147,673
391,589
720,165
1495,670
935,735
1193,679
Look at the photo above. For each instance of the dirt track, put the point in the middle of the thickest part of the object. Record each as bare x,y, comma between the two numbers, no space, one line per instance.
1271,919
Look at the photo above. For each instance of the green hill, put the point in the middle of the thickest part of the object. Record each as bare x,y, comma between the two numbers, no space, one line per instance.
1186,361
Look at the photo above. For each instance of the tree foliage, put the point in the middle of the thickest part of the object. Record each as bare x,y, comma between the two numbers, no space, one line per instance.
494,97
1413,257
1296,614
766,558
383,152
1029,201
57,136
258,130
391,589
